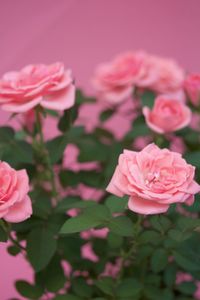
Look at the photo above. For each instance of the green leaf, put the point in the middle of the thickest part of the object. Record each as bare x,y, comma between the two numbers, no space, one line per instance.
185,223
178,236
54,276
41,203
160,223
27,290
138,130
106,114
89,218
129,287
150,236
148,98
193,158
3,232
106,285
116,204
69,116
159,260
114,240
82,99
92,150
170,275
90,178
67,297
13,250
73,202
121,225
56,147
80,287
187,288
184,262
41,246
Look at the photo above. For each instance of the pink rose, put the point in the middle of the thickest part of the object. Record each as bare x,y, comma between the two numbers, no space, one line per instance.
51,86
192,88
169,76
114,80
15,204
167,115
153,178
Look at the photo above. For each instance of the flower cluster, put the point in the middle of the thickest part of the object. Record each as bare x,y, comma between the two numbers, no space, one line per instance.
139,237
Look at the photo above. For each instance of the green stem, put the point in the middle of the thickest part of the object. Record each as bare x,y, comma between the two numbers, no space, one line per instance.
132,250
15,242
47,162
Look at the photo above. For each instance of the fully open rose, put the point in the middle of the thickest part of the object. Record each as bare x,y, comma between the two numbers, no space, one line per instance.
167,115
51,86
114,80
15,204
153,178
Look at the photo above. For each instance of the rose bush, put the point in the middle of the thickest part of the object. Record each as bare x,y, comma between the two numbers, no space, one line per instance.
140,238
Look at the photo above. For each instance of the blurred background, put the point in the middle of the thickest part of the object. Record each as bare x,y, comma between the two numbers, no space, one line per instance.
83,34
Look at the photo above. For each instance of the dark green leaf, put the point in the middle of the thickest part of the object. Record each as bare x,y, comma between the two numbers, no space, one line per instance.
81,288
159,260
106,114
116,204
105,284
148,98
89,218
41,246
121,225
129,287
29,291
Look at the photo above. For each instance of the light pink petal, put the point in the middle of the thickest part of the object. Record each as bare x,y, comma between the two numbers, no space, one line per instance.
61,100
118,184
20,107
193,188
66,80
11,201
190,200
20,211
146,207
146,112
116,96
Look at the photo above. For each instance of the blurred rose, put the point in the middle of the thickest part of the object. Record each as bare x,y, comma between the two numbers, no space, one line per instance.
114,80
192,88
51,86
170,75
15,204
153,178
167,115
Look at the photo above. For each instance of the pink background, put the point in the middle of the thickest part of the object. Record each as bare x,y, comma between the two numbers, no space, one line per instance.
82,34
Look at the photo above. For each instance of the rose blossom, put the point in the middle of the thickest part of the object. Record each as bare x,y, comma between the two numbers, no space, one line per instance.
153,178
170,76
114,80
51,86
15,204
167,115
192,88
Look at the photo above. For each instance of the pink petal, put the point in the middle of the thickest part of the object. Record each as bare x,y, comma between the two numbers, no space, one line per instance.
61,100
146,112
20,211
20,107
146,207
118,184
66,80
